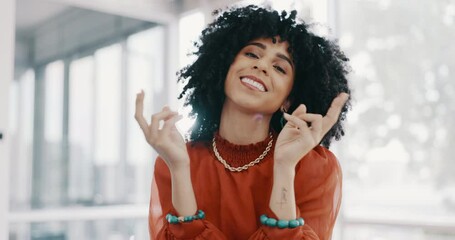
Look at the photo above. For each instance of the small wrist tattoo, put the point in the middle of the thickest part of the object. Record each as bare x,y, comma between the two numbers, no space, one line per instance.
283,199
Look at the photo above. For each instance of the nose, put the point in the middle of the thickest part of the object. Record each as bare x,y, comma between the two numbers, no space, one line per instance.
260,69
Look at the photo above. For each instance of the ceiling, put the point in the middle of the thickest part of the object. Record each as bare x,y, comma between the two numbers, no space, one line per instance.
30,13
33,12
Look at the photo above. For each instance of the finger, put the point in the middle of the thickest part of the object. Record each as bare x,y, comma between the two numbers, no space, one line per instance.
334,112
138,115
156,118
315,120
139,103
297,122
301,109
170,123
314,123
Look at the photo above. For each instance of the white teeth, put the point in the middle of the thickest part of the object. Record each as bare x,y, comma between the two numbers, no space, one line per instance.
253,83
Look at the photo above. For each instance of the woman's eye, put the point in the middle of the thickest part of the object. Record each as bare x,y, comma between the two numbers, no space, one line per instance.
250,54
278,68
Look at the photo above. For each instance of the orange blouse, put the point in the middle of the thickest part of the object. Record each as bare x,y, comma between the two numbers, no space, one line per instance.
233,201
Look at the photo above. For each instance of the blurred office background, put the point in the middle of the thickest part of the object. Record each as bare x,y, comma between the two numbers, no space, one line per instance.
74,164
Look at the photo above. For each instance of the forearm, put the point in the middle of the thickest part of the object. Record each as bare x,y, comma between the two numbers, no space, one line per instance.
183,198
282,199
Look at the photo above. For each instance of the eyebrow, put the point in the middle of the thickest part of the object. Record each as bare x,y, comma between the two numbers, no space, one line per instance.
280,55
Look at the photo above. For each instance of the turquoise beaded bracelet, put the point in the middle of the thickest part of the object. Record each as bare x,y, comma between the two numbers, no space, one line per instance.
272,222
174,219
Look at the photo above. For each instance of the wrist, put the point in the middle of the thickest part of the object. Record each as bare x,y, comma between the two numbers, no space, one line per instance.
288,161
183,198
180,167
181,174
282,200
282,167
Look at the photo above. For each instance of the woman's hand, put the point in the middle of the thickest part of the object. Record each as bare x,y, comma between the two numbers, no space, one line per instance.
166,140
169,144
304,131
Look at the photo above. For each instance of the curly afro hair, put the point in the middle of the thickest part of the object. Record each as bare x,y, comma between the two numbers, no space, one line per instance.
320,67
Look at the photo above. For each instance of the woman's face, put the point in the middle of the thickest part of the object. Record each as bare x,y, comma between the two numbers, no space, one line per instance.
261,76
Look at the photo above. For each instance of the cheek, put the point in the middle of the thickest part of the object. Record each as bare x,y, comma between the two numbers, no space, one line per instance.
231,76
286,85
228,83
231,71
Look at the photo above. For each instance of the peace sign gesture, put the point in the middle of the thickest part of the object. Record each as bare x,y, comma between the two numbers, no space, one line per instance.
166,140
304,131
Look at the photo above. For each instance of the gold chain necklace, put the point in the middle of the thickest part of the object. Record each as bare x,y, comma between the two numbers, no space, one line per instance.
246,166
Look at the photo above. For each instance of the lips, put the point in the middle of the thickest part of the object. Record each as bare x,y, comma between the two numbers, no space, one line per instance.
254,83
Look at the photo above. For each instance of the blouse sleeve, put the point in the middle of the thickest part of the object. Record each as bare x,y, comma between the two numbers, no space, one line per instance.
161,204
318,197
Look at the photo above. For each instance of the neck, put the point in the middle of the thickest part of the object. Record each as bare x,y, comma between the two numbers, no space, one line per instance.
243,127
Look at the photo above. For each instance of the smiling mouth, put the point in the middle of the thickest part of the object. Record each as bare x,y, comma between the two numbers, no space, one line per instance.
253,83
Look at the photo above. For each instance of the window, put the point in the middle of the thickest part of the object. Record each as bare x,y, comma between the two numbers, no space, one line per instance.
90,160
81,130
399,146
22,115
145,71
48,187
108,106
53,104
190,26
129,229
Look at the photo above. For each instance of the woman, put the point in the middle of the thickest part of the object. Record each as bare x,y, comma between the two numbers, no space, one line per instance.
251,170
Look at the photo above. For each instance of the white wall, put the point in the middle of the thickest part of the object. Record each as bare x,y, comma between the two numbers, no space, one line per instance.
7,20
